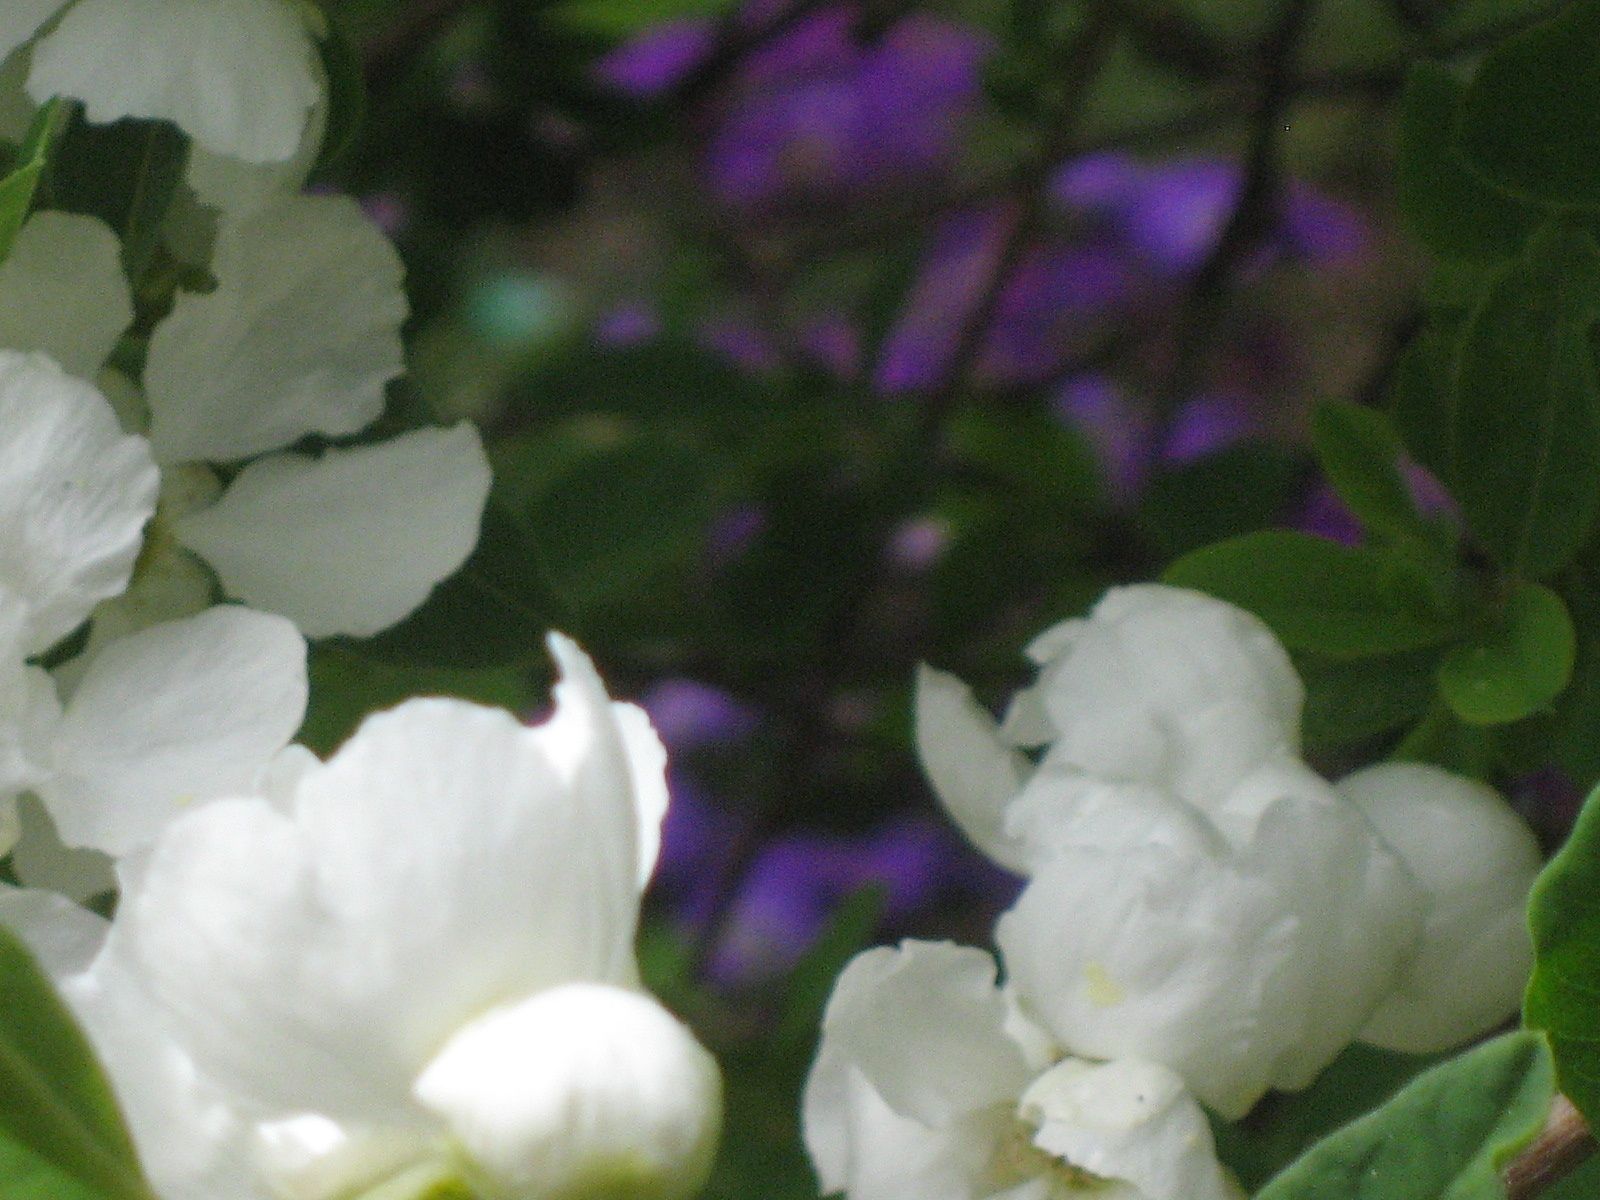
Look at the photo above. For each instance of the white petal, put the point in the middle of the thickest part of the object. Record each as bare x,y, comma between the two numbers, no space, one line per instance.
925,1025
300,335
238,76
174,715
232,185
861,1146
62,291
75,493
351,542
647,766
29,715
1475,860
973,772
446,860
582,1089
41,860
63,937
1128,1121
1169,687
21,19
1360,913
16,109
1161,953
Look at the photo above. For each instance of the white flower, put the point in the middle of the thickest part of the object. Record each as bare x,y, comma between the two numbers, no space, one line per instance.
62,291
1476,860
75,493
300,337
427,943
929,1084
191,1141
238,76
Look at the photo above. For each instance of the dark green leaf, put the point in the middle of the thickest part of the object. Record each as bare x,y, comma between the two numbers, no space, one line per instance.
346,686
1348,700
1318,595
1527,418
18,187
1572,735
1446,1136
1422,399
59,1123
1443,739
620,18
1516,668
1242,488
1446,206
1360,453
125,173
1530,120
493,612
1564,995
347,94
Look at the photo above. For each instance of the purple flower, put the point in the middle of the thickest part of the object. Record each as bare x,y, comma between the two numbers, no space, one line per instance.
1207,424
742,342
1118,431
690,715
658,60
628,325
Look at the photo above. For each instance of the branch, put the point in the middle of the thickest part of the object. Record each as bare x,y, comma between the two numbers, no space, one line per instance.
1564,1145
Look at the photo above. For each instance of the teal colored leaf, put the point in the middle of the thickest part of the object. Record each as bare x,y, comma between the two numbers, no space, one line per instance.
1515,668
1530,120
1447,207
1447,1135
61,1134
18,187
1563,996
1526,430
1360,453
1318,595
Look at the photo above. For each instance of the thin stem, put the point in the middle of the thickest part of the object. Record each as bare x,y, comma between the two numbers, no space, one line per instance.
1561,1148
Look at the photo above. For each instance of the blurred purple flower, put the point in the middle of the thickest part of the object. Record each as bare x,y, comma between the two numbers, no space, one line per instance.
1117,431
1324,514
659,59
834,344
689,714
1172,214
742,342
918,543
1207,424
628,325
794,886
732,533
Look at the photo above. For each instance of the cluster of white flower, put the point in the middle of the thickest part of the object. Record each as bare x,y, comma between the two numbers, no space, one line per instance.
1205,919
410,966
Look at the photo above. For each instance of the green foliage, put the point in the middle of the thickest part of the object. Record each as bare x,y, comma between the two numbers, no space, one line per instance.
1446,1136
1350,700
125,173
1526,423
1516,667
61,1135
1447,206
1360,453
347,94
1318,595
1237,490
1530,120
20,183
1564,911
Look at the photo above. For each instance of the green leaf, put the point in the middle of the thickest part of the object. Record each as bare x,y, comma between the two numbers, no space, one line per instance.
1530,120
1447,207
1446,1136
1516,668
125,173
1563,996
1239,489
1572,733
1422,399
1443,739
1526,427
1360,454
347,94
20,184
60,1130
493,612
346,686
622,18
1319,595
1348,700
